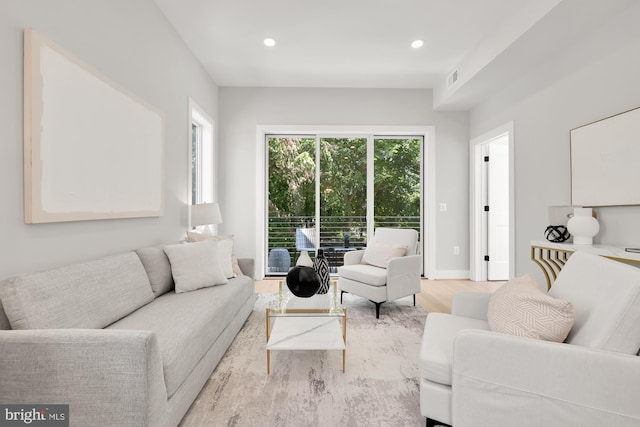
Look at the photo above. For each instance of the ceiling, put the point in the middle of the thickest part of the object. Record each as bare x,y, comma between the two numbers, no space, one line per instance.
366,43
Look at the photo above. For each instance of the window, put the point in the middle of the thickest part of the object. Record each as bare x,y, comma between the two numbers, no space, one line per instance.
330,192
201,156
196,163
397,182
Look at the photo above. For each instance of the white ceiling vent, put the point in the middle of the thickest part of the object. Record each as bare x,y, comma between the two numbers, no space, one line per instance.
453,78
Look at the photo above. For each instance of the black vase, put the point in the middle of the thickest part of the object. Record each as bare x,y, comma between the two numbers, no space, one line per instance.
321,265
303,281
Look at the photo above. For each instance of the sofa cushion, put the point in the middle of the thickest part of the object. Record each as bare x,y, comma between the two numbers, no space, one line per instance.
195,265
398,236
369,274
187,324
225,251
199,237
520,308
158,268
436,352
87,295
606,297
4,322
379,254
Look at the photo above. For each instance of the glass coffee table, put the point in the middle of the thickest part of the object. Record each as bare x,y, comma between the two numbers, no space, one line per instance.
315,323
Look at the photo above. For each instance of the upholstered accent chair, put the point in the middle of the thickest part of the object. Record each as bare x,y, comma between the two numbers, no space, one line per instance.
471,375
388,269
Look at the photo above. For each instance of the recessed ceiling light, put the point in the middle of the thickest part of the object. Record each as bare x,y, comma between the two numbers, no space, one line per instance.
416,44
269,42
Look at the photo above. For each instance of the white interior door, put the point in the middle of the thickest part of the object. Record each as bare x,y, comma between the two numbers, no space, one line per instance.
498,213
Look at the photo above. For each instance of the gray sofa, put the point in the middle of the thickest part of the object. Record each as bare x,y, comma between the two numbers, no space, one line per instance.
113,340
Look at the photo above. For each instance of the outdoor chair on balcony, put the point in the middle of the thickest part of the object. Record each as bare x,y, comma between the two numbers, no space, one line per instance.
388,269
305,240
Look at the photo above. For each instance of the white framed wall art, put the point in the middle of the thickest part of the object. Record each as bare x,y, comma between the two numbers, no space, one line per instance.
605,161
92,150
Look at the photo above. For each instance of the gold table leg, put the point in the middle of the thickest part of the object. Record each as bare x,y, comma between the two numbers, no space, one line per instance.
344,337
550,261
268,351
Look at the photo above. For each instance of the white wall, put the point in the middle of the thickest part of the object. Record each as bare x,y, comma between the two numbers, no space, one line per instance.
133,44
243,109
595,79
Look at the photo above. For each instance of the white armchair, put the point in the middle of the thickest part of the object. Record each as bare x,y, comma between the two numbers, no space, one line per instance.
470,376
392,277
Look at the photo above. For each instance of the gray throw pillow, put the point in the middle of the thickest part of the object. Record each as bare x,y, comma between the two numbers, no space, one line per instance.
158,268
195,265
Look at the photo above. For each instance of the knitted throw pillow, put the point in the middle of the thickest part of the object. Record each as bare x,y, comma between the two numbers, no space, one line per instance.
520,308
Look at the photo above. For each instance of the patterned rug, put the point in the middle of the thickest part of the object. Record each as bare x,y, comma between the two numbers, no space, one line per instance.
307,388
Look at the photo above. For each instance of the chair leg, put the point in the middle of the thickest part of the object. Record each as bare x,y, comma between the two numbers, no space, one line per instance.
376,303
414,300
434,423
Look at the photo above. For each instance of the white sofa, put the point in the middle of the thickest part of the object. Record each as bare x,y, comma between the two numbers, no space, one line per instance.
471,376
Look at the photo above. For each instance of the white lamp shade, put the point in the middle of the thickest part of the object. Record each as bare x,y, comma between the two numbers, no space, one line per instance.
205,214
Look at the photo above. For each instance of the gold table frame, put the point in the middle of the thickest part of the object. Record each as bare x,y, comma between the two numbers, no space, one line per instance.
552,259
331,312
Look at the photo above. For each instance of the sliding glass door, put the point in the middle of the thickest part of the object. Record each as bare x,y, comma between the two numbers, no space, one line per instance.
331,192
343,192
342,197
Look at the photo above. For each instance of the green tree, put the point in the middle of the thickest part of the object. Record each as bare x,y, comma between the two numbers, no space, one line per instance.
291,176
343,178
397,177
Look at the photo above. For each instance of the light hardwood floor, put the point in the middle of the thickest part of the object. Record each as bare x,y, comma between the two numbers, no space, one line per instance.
434,296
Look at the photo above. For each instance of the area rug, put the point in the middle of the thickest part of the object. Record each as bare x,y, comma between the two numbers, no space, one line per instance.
307,388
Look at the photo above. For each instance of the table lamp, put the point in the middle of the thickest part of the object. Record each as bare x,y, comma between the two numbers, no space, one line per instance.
205,214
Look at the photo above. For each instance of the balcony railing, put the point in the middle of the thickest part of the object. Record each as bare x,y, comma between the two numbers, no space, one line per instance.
288,236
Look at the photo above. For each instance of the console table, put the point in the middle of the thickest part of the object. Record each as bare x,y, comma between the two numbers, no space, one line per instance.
551,257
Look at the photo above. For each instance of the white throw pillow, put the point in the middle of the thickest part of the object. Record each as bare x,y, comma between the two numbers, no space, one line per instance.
225,252
228,259
379,254
520,308
195,265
